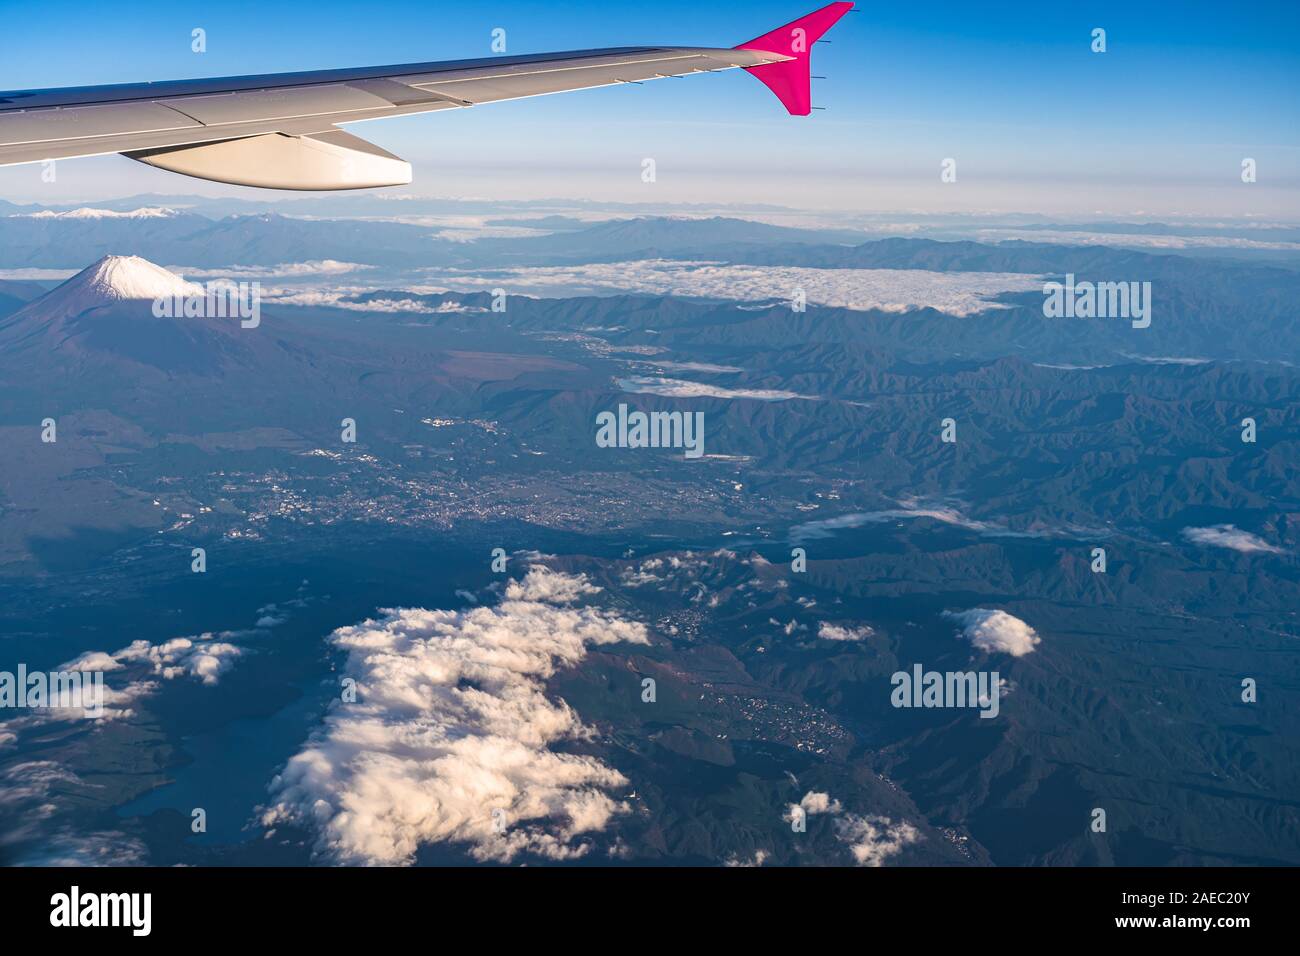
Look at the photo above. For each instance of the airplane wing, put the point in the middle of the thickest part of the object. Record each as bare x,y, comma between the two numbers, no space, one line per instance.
281,130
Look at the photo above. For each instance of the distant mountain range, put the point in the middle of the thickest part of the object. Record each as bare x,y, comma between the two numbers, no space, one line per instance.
189,239
1202,309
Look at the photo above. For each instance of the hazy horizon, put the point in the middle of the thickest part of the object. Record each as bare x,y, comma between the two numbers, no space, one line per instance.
1159,124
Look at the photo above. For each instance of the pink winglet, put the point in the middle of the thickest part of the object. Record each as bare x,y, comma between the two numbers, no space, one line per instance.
791,80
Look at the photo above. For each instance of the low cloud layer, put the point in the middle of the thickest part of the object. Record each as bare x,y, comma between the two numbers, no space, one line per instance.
1230,536
996,632
348,299
945,512
30,794
1133,239
700,367
283,270
680,388
888,290
449,739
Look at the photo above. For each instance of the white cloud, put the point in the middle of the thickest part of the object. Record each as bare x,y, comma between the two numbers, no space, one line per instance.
677,570
758,859
201,657
31,793
816,802
93,661
27,789
97,848
996,631
269,620
555,587
32,780
836,632
1131,240
1230,536
451,723
699,367
872,840
1168,359
680,388
889,290
910,508
38,275
467,228
288,270
346,299
639,577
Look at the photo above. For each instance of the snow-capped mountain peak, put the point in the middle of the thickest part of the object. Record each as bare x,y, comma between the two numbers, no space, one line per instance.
111,279
87,212
129,277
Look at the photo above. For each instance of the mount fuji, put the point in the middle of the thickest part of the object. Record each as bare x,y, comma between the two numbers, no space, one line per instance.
103,319
95,342
112,279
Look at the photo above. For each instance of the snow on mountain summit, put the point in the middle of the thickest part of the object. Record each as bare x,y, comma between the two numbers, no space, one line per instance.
87,212
130,277
111,279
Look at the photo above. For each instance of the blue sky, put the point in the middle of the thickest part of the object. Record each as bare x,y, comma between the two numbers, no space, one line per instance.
1158,124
